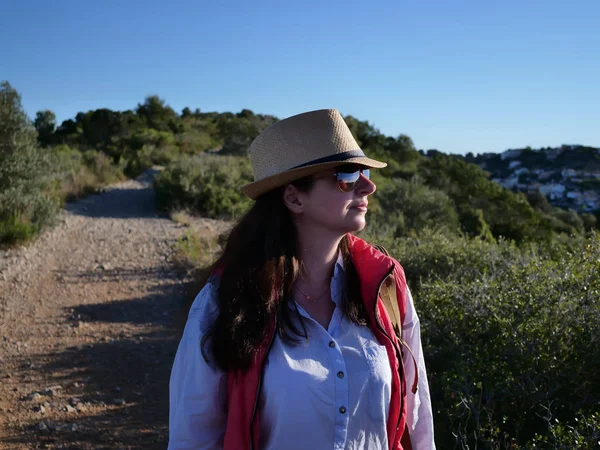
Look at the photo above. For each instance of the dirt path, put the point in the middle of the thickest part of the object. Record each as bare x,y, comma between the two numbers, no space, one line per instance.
88,317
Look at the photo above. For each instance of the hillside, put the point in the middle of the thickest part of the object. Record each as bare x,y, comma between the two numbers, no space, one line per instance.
416,189
569,175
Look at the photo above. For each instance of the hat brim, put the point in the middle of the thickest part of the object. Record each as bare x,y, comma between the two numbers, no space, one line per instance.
257,188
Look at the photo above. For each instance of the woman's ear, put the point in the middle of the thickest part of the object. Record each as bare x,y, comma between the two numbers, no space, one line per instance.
291,199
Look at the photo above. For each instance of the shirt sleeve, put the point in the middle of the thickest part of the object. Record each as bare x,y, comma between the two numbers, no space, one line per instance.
420,417
197,389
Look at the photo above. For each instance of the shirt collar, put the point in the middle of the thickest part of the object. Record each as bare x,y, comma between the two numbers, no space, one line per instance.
337,281
339,265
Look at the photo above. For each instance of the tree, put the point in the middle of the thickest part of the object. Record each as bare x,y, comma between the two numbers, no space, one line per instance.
25,173
238,134
45,124
157,114
245,114
186,112
539,201
589,221
507,214
571,218
402,149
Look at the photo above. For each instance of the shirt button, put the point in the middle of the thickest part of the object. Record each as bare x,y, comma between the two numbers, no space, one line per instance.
332,344
340,374
342,410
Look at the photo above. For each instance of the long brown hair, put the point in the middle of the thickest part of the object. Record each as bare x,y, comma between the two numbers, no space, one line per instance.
259,266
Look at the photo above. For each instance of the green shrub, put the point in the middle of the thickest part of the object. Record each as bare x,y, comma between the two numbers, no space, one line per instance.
78,174
404,207
583,434
207,184
26,203
511,336
149,155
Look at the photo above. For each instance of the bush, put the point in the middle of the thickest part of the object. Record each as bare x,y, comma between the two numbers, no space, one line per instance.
78,174
511,337
404,207
26,205
206,184
137,161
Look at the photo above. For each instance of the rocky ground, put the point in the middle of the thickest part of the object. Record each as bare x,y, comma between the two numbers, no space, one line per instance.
89,325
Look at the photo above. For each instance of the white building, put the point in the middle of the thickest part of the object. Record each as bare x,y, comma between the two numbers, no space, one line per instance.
553,191
546,174
510,182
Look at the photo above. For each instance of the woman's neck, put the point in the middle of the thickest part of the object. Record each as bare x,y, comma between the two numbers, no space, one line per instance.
319,255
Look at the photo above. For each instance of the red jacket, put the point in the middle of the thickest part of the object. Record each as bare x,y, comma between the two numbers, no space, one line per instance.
373,269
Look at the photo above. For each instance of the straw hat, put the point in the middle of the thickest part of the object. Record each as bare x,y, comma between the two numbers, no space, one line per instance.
302,145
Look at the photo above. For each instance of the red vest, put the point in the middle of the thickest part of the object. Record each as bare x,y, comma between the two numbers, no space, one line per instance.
373,269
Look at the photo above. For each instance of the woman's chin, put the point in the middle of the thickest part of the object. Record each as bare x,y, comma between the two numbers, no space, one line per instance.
358,224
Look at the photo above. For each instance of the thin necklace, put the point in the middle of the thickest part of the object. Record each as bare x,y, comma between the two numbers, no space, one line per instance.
311,298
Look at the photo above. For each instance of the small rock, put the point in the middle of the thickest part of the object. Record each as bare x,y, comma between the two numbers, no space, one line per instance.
39,409
48,392
118,401
70,409
74,400
42,426
51,391
69,427
33,396
80,407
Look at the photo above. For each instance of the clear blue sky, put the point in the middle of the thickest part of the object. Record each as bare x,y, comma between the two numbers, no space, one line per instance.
457,76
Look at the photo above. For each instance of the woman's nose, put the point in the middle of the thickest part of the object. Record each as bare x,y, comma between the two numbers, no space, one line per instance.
365,186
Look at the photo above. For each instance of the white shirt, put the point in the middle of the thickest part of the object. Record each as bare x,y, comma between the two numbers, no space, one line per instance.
314,395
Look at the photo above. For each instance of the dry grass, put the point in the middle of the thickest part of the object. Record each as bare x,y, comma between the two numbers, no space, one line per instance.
194,251
182,217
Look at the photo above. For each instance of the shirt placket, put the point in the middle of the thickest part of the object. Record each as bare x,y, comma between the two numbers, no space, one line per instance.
341,393
339,369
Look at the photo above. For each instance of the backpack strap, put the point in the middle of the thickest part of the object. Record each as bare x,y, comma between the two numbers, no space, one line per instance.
389,297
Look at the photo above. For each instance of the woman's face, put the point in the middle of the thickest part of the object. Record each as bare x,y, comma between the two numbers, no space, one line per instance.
326,206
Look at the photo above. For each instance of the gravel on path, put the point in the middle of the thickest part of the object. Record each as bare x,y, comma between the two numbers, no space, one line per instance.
88,316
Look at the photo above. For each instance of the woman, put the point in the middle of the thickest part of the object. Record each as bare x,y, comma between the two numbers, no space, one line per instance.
289,344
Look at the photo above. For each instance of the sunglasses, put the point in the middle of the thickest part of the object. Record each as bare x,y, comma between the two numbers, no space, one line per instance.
348,176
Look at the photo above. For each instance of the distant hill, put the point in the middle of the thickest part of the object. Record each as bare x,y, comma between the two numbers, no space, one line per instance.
569,175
